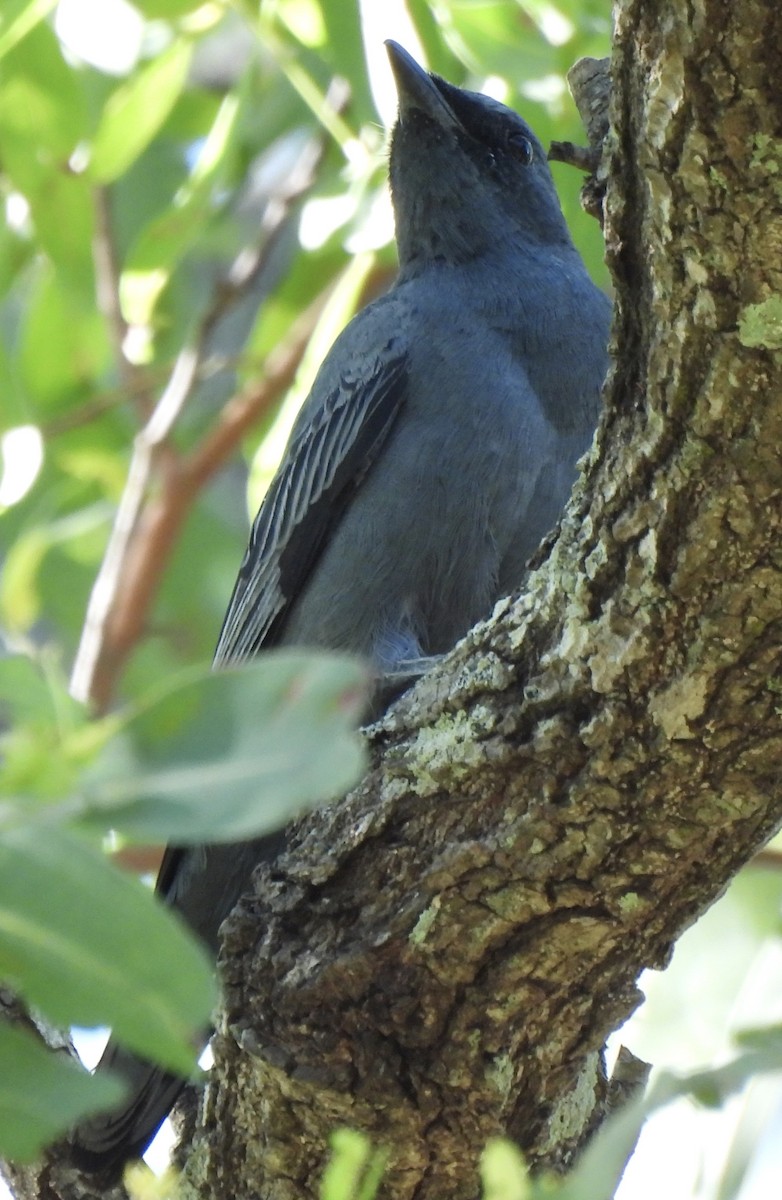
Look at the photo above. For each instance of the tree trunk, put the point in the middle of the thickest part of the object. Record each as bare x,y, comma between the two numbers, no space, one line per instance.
441,957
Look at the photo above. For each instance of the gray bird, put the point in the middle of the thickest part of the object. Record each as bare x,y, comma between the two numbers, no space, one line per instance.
437,447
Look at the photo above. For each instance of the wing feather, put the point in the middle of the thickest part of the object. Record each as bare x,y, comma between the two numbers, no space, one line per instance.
326,461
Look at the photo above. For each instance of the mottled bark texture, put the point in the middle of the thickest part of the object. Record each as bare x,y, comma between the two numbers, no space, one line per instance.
442,955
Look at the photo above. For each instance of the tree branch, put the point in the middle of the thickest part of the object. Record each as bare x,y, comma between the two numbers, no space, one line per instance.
590,85
107,284
147,525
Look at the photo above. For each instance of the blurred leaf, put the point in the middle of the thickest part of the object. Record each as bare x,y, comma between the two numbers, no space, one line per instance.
344,52
42,1095
502,35
305,19
15,411
165,240
147,191
270,740
41,105
28,693
309,275
715,1084
767,1039
759,1116
16,250
18,18
692,1008
91,946
51,562
600,1167
355,1168
20,604
439,56
168,10
306,72
136,111
63,214
47,737
504,1173
64,343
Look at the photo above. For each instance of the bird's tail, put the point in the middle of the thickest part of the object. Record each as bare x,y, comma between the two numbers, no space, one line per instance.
103,1144
201,884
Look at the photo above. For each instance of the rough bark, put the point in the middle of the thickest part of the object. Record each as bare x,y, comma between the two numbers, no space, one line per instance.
441,956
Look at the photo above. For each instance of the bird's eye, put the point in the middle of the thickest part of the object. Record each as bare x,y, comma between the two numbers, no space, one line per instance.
521,148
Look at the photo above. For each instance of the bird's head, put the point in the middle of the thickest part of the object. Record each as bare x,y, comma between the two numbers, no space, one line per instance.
467,174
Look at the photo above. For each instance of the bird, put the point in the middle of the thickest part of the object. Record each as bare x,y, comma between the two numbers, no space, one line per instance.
436,449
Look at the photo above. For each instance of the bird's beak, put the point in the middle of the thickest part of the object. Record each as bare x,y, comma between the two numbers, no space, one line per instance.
417,90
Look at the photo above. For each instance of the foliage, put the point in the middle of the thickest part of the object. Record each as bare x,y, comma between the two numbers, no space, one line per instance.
85,943
39,1093
187,229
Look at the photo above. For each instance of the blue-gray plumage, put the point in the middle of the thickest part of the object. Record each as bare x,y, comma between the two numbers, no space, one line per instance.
439,441
437,447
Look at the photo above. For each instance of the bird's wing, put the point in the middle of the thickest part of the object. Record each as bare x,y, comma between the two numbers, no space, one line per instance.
327,458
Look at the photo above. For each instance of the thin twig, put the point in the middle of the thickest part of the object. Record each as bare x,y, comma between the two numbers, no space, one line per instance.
142,526
107,281
589,81
153,378
585,158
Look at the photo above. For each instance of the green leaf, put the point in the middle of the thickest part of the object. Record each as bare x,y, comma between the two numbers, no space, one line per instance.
767,1039
47,736
428,26
91,946
344,51
42,107
43,1094
15,411
162,244
757,1117
62,210
267,741
167,10
136,111
64,343
27,695
43,117
355,1168
19,18
504,1173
